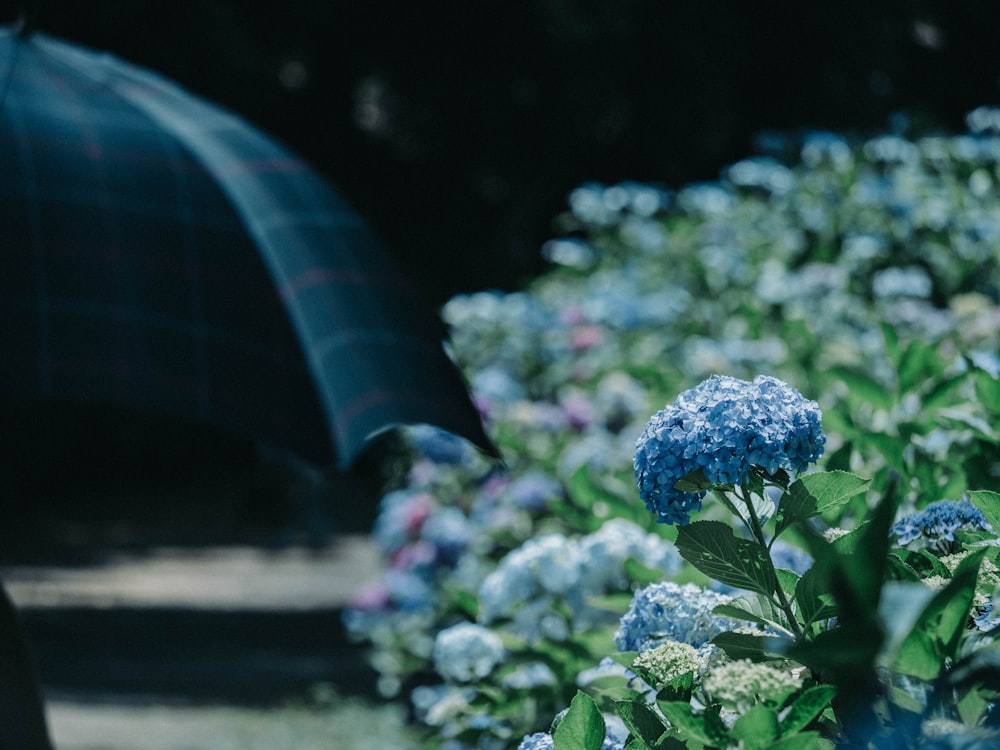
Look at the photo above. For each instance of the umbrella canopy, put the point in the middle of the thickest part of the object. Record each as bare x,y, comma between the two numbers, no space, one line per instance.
158,251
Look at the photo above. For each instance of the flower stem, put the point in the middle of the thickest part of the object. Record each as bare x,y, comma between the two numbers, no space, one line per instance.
757,529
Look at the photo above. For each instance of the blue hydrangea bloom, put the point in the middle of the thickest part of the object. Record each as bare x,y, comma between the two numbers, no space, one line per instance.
467,652
537,741
939,521
669,611
723,427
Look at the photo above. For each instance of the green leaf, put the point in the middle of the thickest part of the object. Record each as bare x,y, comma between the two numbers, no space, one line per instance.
983,429
817,493
787,579
757,608
700,728
980,668
915,364
757,728
582,727
814,602
693,482
936,634
900,608
809,704
677,689
711,547
641,574
467,602
863,388
987,390
803,741
989,503
641,721
922,562
744,646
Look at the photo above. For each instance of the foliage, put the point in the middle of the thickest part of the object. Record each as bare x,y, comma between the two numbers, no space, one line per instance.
867,275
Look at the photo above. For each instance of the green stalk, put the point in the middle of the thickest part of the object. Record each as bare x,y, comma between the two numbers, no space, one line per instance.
757,529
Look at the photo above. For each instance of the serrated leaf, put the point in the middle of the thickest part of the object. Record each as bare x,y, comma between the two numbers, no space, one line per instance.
640,720
814,602
711,547
989,504
700,728
787,579
677,689
693,482
817,493
582,727
809,704
758,609
923,563
744,646
756,729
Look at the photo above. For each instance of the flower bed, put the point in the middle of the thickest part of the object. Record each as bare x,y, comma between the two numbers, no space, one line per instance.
823,324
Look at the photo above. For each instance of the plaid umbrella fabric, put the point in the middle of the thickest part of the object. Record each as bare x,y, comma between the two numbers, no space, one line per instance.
158,251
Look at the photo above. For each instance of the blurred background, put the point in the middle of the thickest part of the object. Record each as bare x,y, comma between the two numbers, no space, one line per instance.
457,129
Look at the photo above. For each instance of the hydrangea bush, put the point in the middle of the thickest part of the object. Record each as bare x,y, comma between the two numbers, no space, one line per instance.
692,579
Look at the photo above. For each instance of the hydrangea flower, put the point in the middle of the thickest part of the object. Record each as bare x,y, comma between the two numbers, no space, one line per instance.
937,523
739,685
537,741
723,427
670,660
667,611
467,652
528,579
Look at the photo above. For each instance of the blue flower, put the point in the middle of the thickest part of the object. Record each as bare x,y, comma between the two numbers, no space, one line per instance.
938,522
537,741
467,652
723,427
667,611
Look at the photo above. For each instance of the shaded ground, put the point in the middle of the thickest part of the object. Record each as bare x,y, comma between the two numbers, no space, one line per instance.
205,649
183,591
347,723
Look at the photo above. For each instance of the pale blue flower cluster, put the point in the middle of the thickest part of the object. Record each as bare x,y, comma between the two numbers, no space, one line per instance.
467,652
939,521
723,427
553,567
537,741
668,611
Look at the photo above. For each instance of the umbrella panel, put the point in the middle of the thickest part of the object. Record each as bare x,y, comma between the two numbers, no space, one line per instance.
164,253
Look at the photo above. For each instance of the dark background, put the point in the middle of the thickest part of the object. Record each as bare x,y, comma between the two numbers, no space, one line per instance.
458,128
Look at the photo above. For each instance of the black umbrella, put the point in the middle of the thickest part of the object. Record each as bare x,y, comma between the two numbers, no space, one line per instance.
158,251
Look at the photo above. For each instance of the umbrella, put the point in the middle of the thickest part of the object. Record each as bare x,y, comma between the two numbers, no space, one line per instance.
160,252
